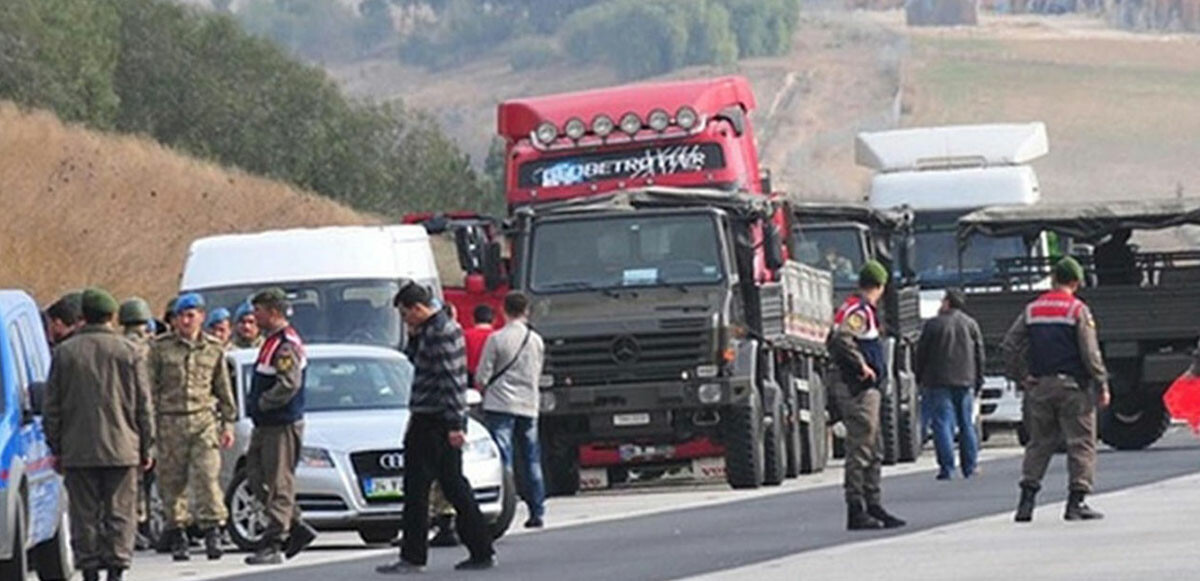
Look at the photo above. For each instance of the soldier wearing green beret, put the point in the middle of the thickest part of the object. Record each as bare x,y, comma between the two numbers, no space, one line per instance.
1051,350
856,347
99,426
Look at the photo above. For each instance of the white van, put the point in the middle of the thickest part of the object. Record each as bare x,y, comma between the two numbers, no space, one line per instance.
942,174
341,280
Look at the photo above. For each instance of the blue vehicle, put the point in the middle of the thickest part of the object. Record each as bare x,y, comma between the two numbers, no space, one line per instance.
34,533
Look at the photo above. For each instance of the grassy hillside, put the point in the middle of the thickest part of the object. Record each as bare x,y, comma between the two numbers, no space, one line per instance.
81,208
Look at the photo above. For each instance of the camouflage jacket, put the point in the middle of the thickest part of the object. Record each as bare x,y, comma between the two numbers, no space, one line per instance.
191,377
240,343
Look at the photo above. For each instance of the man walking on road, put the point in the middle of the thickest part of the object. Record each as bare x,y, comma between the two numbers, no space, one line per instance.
509,369
1052,351
436,435
196,412
857,351
99,426
276,405
949,366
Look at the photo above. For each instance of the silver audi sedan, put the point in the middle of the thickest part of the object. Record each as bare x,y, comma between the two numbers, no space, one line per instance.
350,476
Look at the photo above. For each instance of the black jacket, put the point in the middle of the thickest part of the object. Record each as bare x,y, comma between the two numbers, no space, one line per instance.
950,352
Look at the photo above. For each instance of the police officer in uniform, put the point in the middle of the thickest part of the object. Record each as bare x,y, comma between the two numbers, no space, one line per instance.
1052,351
857,351
196,412
99,427
276,405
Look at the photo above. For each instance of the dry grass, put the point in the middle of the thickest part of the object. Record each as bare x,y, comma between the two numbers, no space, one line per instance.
84,208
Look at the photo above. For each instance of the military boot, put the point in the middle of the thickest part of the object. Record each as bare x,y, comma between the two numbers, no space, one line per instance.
445,536
1079,510
267,554
857,519
889,521
212,544
1027,503
179,545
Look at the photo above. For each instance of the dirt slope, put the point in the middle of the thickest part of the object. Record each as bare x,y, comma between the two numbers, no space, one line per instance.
81,208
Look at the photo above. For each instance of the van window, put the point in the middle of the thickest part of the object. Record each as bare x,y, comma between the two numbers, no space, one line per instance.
19,363
34,355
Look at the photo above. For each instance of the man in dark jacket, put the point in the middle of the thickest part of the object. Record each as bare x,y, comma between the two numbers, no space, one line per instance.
856,345
437,431
98,422
949,368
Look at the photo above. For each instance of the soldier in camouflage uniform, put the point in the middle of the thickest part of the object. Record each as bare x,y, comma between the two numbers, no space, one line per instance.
245,328
218,325
134,316
195,418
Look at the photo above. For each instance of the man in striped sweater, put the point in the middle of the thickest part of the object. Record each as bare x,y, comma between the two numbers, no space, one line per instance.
436,434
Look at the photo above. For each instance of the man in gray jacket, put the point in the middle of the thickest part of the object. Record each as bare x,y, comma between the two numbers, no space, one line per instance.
949,366
508,373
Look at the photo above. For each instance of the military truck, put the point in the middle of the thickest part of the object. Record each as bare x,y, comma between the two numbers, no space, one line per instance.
840,238
671,316
1145,303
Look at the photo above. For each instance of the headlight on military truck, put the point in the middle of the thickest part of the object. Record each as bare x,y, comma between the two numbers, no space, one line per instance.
709,393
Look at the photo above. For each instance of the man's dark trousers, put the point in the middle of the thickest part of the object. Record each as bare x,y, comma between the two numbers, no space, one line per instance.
428,456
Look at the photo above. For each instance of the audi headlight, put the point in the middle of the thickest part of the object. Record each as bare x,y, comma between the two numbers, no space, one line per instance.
479,450
315,458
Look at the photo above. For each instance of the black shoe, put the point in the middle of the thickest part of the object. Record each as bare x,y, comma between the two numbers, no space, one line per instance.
1079,510
474,564
212,544
268,555
91,575
858,520
445,536
179,545
534,522
944,476
300,538
115,574
889,521
400,567
1027,503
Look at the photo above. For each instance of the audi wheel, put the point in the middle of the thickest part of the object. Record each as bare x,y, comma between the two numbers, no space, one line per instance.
247,518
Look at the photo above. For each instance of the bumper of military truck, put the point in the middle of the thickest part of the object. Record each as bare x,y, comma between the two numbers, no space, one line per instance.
657,408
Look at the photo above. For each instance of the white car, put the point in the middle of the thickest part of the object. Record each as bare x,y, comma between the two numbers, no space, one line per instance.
351,468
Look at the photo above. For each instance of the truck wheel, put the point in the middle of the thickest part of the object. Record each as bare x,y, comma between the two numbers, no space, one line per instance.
909,432
815,434
247,519
560,465
774,447
52,558
1134,429
17,567
743,430
508,506
888,426
793,439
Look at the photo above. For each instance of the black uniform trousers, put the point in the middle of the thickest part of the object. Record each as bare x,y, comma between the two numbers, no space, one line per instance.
429,457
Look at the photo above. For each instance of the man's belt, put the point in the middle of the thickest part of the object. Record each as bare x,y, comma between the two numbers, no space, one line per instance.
185,413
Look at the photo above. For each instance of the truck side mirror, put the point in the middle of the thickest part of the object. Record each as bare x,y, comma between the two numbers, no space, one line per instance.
773,247
493,265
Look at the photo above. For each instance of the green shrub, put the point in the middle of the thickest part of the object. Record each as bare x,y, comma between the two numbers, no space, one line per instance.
533,52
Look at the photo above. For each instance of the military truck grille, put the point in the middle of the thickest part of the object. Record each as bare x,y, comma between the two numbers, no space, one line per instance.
633,358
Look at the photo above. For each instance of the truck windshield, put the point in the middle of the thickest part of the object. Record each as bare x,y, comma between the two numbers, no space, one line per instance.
838,250
355,311
608,253
937,257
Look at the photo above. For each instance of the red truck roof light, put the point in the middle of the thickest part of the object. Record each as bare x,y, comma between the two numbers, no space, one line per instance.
548,135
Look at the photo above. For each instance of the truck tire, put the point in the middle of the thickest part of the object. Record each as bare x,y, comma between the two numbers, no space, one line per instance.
743,430
560,465
793,428
815,432
774,447
889,410
52,558
18,566
909,432
1135,429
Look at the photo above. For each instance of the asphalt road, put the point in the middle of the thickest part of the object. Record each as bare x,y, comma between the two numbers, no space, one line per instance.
708,539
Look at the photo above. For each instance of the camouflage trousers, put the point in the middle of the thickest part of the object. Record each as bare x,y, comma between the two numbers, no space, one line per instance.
189,467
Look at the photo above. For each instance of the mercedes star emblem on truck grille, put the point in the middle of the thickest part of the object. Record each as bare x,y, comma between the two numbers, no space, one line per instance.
625,350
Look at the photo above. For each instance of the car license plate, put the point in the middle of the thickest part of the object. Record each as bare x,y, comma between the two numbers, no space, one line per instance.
625,420
383,488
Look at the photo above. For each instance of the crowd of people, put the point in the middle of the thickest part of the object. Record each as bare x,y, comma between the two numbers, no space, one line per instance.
154,398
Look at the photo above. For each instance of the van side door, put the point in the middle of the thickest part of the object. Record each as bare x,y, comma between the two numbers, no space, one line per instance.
45,486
